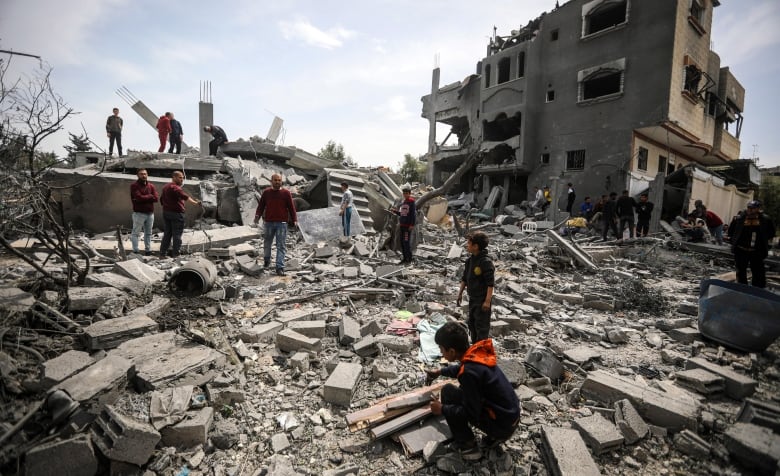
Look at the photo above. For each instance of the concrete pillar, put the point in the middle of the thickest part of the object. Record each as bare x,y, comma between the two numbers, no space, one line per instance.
205,118
432,149
146,114
656,196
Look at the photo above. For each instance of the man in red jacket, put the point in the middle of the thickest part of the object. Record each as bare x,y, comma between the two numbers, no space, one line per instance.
277,209
172,200
163,130
143,195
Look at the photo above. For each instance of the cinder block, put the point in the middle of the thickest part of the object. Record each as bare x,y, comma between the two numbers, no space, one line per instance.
630,423
349,331
219,396
299,314
598,432
56,370
190,432
685,335
315,329
499,328
399,344
260,333
565,453
753,446
341,383
700,380
290,341
738,386
300,361
74,457
366,347
371,328
123,438
109,333
691,444
516,323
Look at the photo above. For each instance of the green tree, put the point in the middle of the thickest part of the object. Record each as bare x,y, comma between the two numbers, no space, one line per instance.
335,152
412,169
78,143
769,194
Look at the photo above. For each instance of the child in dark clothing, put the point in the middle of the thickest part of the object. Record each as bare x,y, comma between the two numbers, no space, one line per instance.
485,398
478,278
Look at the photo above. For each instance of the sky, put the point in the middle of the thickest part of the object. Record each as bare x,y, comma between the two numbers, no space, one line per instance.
351,71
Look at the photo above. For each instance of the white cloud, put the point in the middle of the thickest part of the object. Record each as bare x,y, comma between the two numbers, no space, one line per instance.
303,30
752,32
394,109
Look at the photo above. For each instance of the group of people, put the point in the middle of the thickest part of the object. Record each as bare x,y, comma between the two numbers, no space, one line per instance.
169,130
615,214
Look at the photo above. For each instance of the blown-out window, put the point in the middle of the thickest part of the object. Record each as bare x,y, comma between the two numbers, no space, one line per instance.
641,159
600,15
503,70
601,81
521,64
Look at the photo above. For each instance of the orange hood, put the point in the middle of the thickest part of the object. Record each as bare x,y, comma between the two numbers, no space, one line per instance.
481,352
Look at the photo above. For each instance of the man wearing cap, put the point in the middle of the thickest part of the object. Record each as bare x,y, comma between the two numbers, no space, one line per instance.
407,214
751,233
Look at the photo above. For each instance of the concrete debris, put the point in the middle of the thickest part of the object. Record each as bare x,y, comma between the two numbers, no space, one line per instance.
565,453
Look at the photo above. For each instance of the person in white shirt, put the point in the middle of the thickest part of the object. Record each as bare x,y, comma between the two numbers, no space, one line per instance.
345,211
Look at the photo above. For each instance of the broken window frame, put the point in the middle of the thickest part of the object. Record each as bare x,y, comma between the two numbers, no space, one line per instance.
600,6
487,76
696,12
544,159
575,159
663,164
641,159
521,64
504,67
601,72
554,34
550,96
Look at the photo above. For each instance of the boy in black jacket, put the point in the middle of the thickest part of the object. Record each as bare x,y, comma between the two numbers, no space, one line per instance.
478,278
485,398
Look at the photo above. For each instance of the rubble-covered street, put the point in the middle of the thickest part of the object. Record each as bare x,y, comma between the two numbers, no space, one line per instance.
166,369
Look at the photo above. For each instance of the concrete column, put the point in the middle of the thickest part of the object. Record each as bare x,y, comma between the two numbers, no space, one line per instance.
432,149
656,196
146,114
206,118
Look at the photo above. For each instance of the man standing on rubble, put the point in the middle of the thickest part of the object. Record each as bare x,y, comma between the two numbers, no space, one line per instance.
570,197
609,217
163,130
644,210
173,199
219,138
277,209
114,125
345,211
751,233
625,210
479,279
143,195
176,136
407,217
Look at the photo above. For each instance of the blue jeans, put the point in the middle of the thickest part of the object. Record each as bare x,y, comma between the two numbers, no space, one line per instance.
346,219
145,221
717,233
275,230
174,227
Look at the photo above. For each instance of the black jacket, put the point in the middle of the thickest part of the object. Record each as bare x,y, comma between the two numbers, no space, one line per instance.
478,274
176,129
625,206
764,233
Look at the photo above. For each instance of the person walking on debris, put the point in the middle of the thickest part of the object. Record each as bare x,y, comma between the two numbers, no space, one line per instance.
609,217
345,212
751,233
277,209
485,399
114,125
176,136
478,279
625,211
173,199
163,130
570,196
407,217
713,221
644,211
219,138
143,195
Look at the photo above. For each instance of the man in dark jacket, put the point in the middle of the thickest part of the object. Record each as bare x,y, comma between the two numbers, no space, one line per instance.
625,211
609,217
571,195
751,233
644,211
219,138
407,217
176,136
114,125
143,195
479,279
485,398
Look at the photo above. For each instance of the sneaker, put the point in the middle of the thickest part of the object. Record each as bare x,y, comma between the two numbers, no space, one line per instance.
468,450
489,442
148,253
280,271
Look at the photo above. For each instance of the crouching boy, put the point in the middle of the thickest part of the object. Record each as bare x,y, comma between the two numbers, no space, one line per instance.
485,398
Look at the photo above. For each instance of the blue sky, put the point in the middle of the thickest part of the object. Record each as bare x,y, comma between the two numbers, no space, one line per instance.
348,71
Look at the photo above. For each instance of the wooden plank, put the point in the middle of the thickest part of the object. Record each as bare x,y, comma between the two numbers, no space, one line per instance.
399,423
379,412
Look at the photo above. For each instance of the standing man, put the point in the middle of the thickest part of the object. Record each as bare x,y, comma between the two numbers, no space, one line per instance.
172,200
644,210
114,125
625,210
478,279
176,136
570,198
277,209
219,138
144,196
163,130
346,207
407,217
609,217
751,233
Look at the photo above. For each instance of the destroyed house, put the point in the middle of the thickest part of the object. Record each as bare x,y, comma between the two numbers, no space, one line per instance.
605,94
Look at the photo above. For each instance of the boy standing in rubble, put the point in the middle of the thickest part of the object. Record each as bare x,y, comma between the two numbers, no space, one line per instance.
478,279
485,398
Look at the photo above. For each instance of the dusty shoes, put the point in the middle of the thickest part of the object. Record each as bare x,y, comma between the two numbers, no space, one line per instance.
468,450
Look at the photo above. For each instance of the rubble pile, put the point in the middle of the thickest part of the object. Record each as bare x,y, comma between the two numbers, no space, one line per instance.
263,374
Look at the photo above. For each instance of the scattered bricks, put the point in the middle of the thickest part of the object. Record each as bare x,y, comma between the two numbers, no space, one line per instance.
738,386
656,406
672,358
351,272
74,457
154,309
536,303
260,333
315,329
685,335
525,393
399,344
565,454
765,414
110,333
220,396
514,371
380,371
569,298
540,385
616,336
302,314
140,271
691,444
524,309
582,354
349,331
300,361
279,442
668,324
583,331
700,380
89,299
290,341
123,438
598,432
371,328
387,270
193,430
249,265
516,323
360,249
689,308
341,383
366,347
630,423
754,446
544,362
499,328
59,368
103,379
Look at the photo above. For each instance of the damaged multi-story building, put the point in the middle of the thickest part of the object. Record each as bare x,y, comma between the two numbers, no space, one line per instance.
605,94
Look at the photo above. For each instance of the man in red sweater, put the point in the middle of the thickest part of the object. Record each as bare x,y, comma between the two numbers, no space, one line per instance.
143,195
163,130
277,209
172,200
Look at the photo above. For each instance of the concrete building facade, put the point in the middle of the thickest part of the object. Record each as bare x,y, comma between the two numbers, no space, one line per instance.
606,94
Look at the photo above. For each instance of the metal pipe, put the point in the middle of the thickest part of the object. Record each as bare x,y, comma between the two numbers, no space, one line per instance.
194,278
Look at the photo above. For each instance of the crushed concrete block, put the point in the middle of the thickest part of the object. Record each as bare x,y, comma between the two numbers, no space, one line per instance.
499,327
371,328
379,371
360,249
514,370
568,298
738,386
73,457
117,281
193,430
261,332
525,393
103,379
140,271
583,331
540,385
300,361
123,438
536,303
154,309
325,252
545,362
516,323
399,344
315,329
349,331
299,314
279,442
691,444
672,358
219,396
754,446
351,272
341,383
55,370
598,432
565,454
15,300
630,423
288,340
109,333
388,270
582,354
701,381
90,298
668,324
684,335
366,347
249,265
760,413
241,249
689,308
